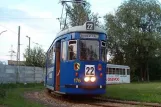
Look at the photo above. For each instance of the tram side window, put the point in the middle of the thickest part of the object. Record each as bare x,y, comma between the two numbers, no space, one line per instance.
123,72
72,50
128,71
109,71
53,54
50,57
117,71
120,71
103,51
113,71
64,51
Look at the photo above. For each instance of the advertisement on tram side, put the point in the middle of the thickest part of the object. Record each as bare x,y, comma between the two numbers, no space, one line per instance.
117,79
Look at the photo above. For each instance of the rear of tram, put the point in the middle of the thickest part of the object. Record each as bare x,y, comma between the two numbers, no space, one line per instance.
90,63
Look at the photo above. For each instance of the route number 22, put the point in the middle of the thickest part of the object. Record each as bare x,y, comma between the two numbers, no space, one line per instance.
89,70
90,26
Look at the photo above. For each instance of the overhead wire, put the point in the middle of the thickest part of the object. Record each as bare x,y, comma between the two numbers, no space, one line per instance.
25,18
16,33
8,29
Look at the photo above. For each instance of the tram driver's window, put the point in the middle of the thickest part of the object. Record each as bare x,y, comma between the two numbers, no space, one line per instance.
72,50
103,51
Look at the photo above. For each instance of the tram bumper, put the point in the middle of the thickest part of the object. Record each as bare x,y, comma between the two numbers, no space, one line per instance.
86,87
83,89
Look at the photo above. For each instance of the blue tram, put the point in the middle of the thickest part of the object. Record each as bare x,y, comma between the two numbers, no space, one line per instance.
76,61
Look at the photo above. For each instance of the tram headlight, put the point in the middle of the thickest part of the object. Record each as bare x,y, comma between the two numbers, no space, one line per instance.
93,79
86,79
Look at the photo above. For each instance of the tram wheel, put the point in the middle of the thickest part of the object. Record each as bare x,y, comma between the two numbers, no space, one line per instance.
48,91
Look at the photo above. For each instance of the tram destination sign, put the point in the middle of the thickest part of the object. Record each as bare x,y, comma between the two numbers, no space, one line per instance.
88,35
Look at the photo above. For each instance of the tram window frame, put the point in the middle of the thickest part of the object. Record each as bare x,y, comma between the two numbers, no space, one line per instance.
103,47
64,51
68,52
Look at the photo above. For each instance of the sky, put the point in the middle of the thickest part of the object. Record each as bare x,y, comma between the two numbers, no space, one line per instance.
38,20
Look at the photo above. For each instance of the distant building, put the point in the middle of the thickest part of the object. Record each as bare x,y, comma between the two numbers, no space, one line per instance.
12,62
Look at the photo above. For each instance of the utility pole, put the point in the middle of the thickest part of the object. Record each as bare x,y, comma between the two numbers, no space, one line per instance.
18,47
29,43
18,53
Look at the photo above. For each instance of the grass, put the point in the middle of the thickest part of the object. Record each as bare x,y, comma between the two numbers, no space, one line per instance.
12,95
143,92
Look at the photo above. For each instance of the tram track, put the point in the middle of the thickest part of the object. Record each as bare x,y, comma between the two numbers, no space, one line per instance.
129,102
100,101
78,100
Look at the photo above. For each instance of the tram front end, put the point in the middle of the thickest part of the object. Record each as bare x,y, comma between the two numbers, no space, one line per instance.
89,66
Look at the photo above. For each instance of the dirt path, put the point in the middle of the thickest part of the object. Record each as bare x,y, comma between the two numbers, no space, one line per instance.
49,101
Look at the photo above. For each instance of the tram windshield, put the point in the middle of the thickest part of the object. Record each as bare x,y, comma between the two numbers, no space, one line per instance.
89,50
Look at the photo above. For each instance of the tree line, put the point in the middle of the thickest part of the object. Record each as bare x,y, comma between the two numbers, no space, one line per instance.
133,32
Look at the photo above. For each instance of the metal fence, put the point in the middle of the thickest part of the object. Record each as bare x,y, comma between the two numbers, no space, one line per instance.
25,74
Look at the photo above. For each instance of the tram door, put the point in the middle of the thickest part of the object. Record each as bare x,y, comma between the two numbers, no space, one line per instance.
58,66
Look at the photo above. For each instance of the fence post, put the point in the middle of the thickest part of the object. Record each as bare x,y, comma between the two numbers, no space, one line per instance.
25,74
43,75
34,75
4,68
17,74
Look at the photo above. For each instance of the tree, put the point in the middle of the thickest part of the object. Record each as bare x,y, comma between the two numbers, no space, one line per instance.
78,14
35,57
134,34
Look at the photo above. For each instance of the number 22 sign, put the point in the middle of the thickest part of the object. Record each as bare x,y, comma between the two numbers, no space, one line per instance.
89,70
89,25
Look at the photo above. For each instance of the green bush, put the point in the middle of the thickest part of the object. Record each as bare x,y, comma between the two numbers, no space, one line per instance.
19,85
8,86
2,93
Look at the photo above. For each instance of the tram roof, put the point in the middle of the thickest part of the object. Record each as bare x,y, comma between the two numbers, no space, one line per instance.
81,28
117,66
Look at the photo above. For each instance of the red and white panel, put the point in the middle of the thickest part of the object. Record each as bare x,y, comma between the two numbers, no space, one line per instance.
117,79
